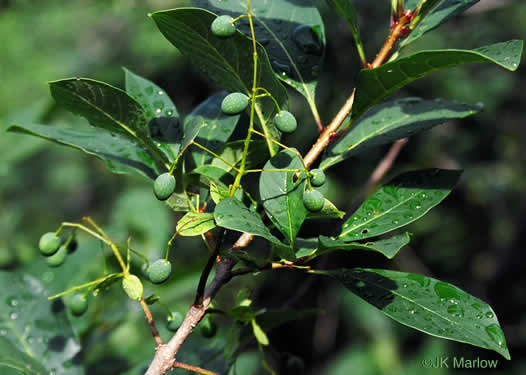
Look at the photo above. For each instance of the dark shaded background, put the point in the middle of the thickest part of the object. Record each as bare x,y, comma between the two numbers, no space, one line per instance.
473,240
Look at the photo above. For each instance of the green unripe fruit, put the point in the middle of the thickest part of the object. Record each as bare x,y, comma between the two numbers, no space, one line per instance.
223,26
234,103
317,177
133,287
78,304
49,243
58,258
159,271
174,321
164,186
313,200
285,122
207,327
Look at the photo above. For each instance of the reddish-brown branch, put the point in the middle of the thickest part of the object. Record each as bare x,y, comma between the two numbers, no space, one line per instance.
149,318
396,32
195,369
385,164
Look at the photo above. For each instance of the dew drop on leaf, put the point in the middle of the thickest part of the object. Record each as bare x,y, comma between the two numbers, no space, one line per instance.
489,315
496,335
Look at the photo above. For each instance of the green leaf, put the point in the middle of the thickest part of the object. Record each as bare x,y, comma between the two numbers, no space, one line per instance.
388,247
376,84
305,246
329,211
151,97
293,35
213,128
230,213
195,223
243,314
282,197
228,61
109,108
16,362
104,106
428,305
33,326
401,201
120,154
394,120
232,153
260,335
433,14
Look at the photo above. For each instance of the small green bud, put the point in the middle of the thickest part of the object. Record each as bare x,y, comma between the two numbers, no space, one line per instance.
159,271
285,122
223,27
49,243
313,200
164,186
133,287
317,177
78,304
234,103
58,258
175,319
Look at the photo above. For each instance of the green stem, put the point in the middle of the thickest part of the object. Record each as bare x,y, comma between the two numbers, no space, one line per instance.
216,156
87,285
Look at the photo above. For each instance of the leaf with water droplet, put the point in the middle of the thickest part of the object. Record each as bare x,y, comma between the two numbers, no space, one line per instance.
195,224
387,122
402,193
385,290
228,61
231,213
282,197
375,85
293,35
34,317
388,247
120,154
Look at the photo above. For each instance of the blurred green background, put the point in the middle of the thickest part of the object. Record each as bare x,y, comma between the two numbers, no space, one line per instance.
473,240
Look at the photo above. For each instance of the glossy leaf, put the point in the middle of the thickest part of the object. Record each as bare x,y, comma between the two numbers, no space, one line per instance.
120,154
16,362
401,201
228,61
394,120
282,197
388,247
433,14
292,33
195,223
211,173
153,99
34,326
104,106
428,305
214,128
231,213
376,84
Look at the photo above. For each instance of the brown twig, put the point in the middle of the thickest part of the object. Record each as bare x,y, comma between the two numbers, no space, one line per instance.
195,369
149,318
385,164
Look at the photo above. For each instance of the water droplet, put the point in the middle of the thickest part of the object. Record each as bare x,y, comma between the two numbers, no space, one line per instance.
158,110
479,316
169,112
456,311
12,301
3,332
405,285
158,104
496,335
307,40
281,67
13,316
360,284
489,315
160,93
412,311
345,225
355,218
446,291
395,221
149,90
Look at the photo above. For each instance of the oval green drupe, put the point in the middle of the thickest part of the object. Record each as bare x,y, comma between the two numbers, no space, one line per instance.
164,186
175,319
285,122
223,27
313,200
317,177
49,243
159,271
234,103
58,258
78,304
